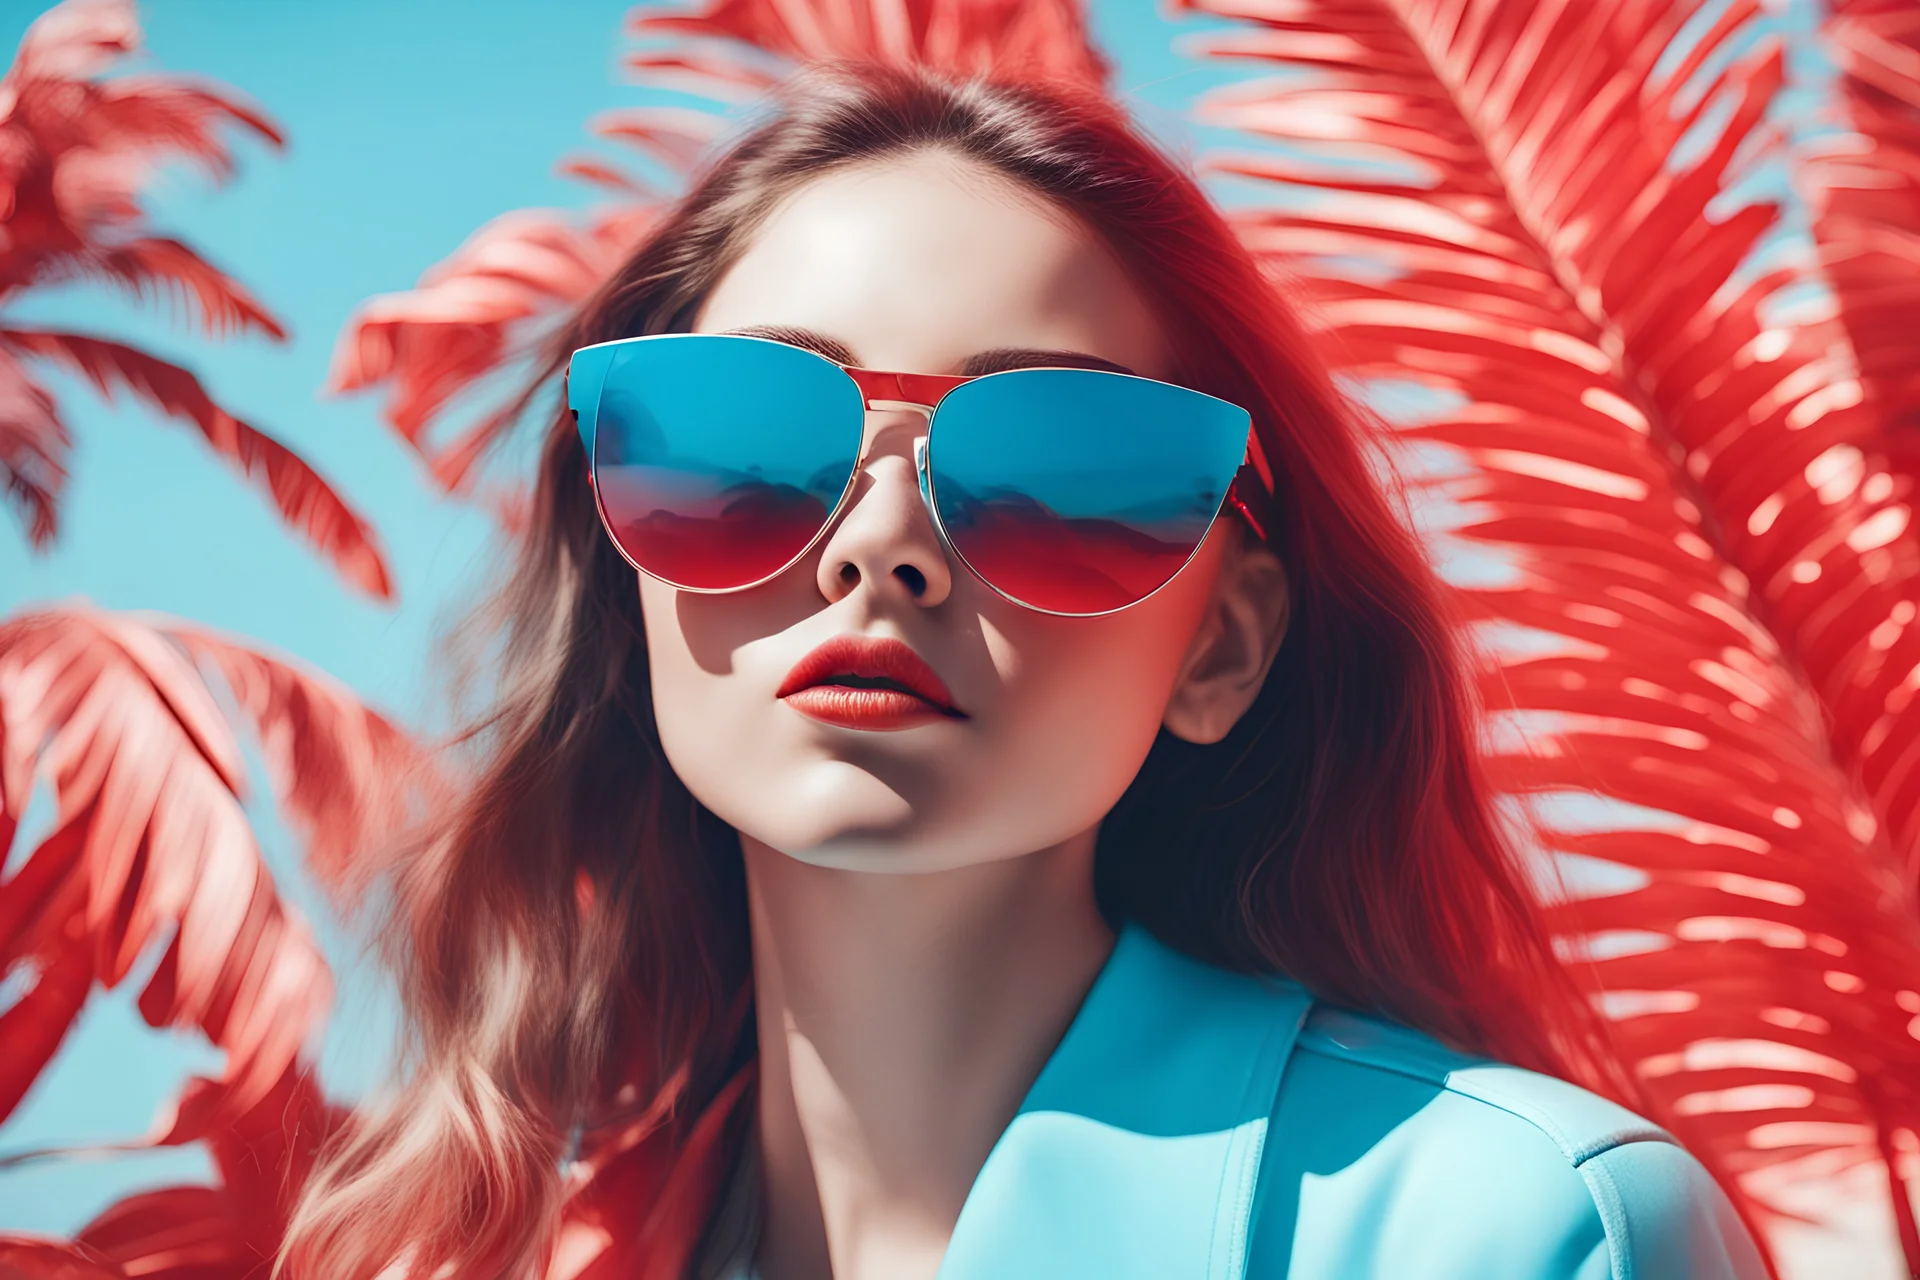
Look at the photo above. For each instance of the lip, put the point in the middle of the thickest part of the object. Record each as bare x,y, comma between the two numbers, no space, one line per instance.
912,694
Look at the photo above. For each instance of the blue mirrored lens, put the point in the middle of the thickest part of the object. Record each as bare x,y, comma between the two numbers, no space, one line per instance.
1078,491
718,459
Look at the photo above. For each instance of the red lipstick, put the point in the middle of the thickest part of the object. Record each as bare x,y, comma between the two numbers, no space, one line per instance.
867,682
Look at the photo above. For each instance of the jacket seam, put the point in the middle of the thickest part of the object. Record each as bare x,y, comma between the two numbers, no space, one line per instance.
1286,1034
1227,1170
1613,1218
1319,1042
1576,1153
1602,1188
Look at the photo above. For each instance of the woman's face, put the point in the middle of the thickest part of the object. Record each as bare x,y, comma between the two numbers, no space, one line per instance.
918,264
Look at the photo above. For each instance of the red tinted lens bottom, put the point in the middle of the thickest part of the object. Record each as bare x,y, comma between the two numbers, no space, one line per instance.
718,458
735,536
1066,565
1079,491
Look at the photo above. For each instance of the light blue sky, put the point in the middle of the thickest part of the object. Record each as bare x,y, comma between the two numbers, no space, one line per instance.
411,122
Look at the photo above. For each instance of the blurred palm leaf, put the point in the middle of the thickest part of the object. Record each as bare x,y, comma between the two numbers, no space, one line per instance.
1045,39
1866,185
1861,173
485,308
76,151
31,1259
149,840
228,1231
305,500
1521,212
231,1230
476,313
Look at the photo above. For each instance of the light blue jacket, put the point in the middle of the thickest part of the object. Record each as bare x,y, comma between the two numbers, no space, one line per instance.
1196,1123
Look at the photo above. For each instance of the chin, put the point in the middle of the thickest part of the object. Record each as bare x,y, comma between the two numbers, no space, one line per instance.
890,859
888,847
840,815
912,848
859,854
897,845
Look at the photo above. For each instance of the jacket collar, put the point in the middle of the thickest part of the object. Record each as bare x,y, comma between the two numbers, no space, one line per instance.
1135,1153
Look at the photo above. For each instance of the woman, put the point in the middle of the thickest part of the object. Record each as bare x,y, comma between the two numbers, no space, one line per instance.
1047,842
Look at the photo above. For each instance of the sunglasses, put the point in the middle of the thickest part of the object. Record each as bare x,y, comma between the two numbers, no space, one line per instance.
719,460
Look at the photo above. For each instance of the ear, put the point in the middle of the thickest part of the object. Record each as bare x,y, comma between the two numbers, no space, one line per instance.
1235,644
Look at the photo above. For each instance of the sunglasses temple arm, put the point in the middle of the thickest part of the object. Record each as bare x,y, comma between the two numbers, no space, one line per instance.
1246,481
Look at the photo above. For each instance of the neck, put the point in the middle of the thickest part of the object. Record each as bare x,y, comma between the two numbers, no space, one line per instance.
902,1018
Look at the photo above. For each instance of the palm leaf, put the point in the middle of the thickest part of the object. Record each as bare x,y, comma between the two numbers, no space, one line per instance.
467,316
1861,172
228,1231
34,445
487,306
164,267
1491,201
75,149
180,115
52,94
985,37
150,842
22,1258
74,42
305,501
344,776
1866,185
75,153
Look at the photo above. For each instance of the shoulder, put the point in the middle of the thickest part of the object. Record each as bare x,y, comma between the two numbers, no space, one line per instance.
1390,1154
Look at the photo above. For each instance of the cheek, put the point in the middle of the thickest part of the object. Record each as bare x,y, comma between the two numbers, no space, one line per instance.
676,678
1084,697
701,705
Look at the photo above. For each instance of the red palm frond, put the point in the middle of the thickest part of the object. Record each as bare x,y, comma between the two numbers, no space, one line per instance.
150,842
181,115
1865,185
608,177
231,1230
307,503
176,1233
1492,201
75,149
472,312
1022,38
75,41
228,1231
675,137
162,267
75,153
487,306
22,1258
344,776
34,445
1863,182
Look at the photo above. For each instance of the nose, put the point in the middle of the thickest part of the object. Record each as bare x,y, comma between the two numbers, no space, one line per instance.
885,539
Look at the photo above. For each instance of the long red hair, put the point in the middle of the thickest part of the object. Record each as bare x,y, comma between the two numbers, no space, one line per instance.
572,941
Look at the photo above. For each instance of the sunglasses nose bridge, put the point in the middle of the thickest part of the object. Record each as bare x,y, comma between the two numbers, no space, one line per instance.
881,404
875,404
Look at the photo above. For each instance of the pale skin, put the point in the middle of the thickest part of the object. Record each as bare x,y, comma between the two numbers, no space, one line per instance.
921,900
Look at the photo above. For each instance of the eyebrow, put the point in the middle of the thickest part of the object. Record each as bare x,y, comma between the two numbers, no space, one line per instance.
998,360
